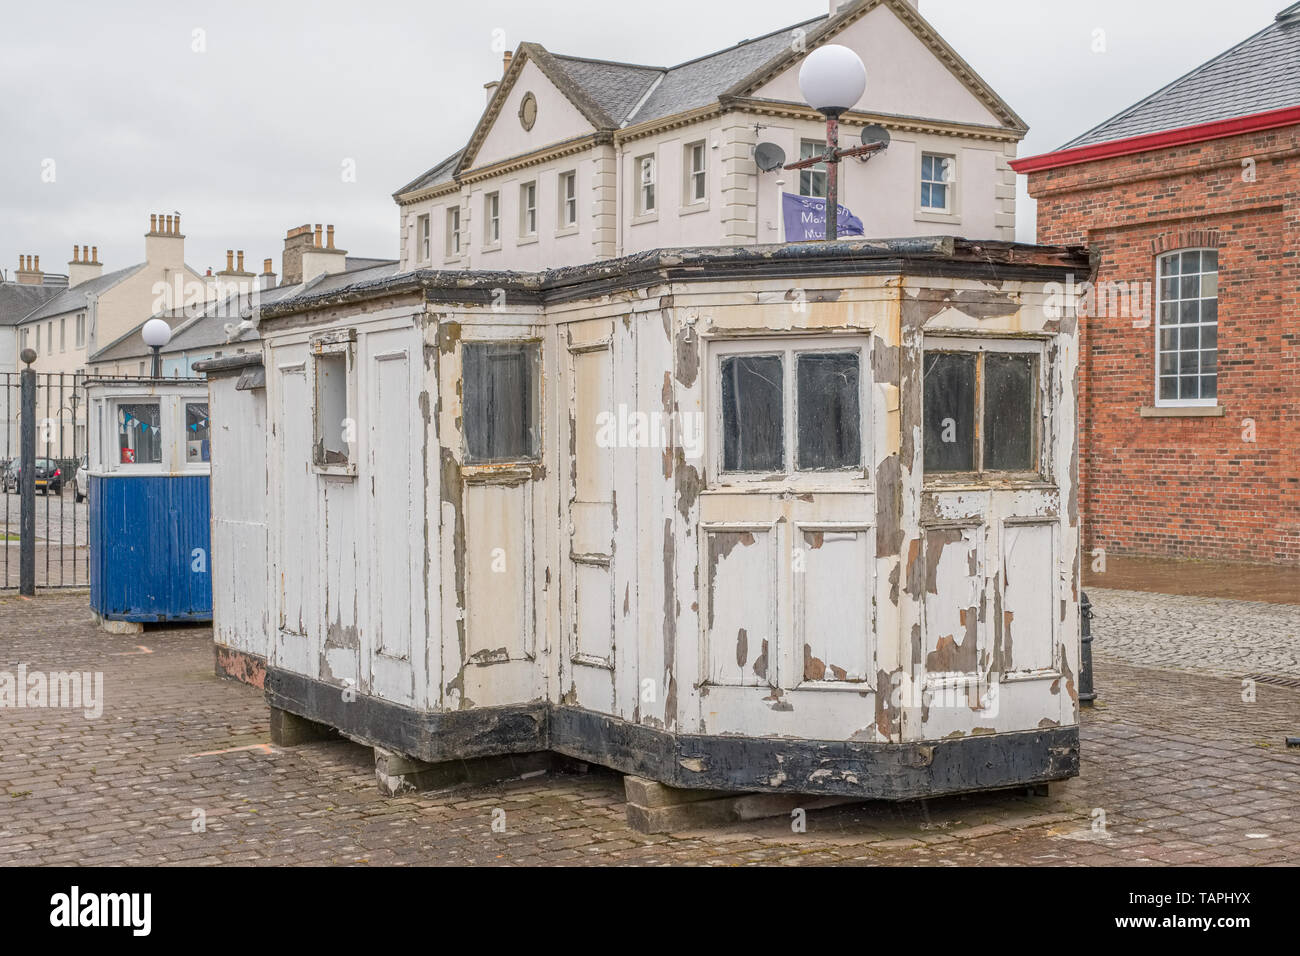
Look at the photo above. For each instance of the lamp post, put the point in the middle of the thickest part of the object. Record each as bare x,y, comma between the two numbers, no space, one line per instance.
832,80
156,333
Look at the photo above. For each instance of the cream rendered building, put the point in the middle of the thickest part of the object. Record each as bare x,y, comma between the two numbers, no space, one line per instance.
578,159
98,308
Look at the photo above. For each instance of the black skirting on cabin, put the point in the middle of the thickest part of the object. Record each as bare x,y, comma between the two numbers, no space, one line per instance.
690,761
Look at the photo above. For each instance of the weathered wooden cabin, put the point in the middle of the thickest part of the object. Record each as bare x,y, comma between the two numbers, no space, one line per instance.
797,518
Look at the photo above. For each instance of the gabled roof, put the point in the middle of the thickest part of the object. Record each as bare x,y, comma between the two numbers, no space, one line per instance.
77,298
613,95
1258,75
18,300
441,173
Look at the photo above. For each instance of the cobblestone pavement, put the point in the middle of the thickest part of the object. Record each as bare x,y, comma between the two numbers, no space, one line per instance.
1176,766
62,533
59,518
1211,636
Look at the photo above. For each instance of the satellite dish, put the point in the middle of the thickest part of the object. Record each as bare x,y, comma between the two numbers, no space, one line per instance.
875,133
769,156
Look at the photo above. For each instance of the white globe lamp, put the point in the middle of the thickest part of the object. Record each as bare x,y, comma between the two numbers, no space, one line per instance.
832,80
156,333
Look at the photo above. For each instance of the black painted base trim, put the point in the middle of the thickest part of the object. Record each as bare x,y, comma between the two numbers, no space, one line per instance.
765,764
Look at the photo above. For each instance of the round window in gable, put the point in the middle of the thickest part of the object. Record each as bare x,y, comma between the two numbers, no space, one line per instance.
528,111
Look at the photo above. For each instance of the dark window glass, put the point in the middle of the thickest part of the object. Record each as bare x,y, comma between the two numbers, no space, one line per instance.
500,401
1010,400
829,416
753,429
949,411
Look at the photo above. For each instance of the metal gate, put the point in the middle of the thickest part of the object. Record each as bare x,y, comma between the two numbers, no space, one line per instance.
59,524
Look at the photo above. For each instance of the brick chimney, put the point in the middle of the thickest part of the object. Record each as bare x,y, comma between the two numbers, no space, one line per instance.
164,245
234,269
321,257
296,242
84,265
29,271
267,279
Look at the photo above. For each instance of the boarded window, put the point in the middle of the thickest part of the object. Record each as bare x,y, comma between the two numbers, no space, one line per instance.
332,427
950,411
501,401
753,428
139,435
830,435
981,412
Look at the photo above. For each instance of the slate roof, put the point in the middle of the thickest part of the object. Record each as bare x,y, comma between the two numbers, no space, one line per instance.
440,173
74,299
208,329
614,95
1259,74
615,87
18,300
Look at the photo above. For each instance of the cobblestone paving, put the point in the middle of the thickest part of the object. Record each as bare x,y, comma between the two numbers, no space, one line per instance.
1211,636
1177,767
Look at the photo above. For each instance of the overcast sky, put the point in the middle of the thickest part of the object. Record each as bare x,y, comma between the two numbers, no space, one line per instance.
249,135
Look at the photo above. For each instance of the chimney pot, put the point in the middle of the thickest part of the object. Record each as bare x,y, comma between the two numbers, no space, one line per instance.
230,260
240,253
153,222
94,254
76,253
505,68
178,225
266,266
37,264
330,236
317,235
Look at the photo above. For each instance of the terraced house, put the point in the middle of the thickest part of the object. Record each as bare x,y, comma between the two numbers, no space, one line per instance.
579,159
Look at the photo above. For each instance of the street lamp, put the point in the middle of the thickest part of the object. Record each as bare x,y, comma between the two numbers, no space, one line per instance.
156,333
832,80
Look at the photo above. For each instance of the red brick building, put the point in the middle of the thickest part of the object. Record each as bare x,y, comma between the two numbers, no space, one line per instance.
1190,392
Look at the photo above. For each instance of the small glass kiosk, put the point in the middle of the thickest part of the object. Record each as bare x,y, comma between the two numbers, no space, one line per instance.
149,511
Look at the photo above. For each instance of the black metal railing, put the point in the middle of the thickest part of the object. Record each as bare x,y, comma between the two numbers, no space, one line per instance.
53,535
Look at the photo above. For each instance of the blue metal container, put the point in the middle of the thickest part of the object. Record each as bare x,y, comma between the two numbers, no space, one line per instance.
148,500
149,548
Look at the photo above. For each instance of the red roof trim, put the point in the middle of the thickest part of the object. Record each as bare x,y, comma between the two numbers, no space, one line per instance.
1147,142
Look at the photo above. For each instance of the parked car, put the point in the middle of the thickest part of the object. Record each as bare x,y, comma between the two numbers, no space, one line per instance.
49,476
81,480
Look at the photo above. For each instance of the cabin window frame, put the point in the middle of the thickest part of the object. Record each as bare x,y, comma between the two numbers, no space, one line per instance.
1040,417
332,347
790,348
534,455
